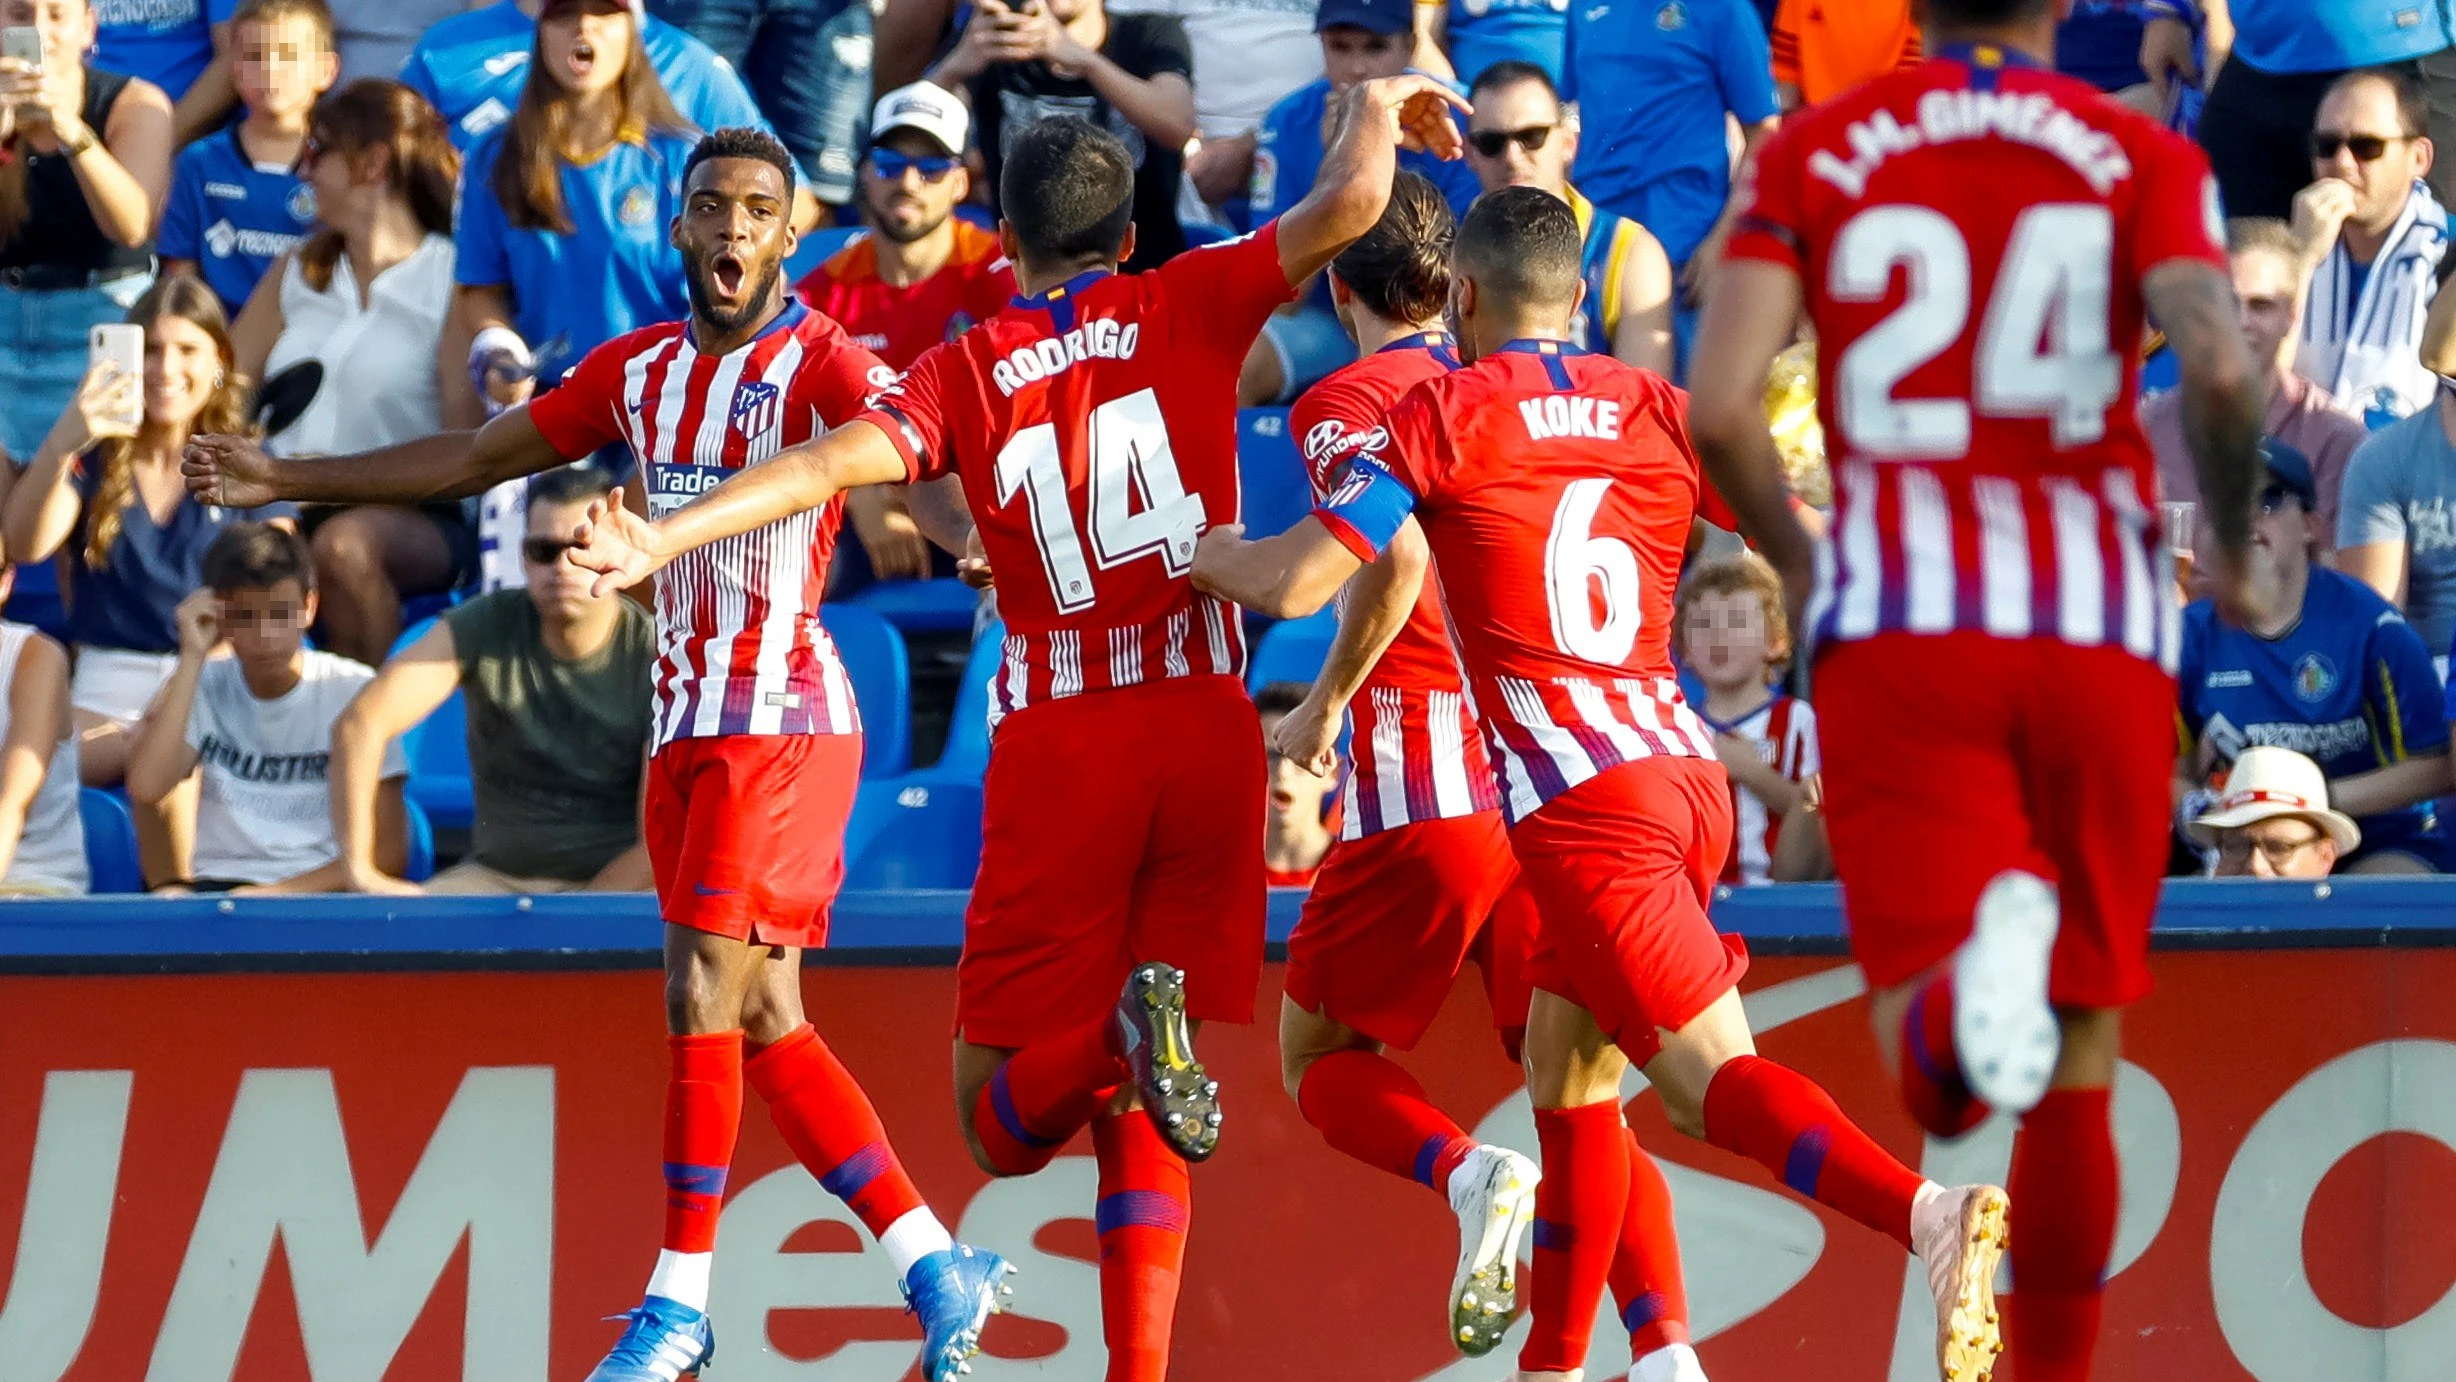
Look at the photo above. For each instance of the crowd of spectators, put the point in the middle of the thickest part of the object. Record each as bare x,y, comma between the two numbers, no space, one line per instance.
343,224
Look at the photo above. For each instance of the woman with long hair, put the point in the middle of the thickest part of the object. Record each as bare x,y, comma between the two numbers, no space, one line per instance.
108,490
565,209
85,161
357,313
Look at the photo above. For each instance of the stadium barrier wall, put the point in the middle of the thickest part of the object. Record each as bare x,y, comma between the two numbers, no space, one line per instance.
346,1141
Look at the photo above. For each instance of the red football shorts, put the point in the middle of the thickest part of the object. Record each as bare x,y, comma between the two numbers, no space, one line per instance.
1395,914
1621,867
746,832
1950,758
1118,827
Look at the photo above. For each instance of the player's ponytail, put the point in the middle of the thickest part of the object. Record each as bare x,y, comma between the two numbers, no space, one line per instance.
1400,269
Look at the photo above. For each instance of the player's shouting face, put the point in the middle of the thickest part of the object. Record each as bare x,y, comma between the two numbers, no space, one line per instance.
735,232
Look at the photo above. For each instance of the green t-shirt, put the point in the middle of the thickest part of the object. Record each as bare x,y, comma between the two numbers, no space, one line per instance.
555,748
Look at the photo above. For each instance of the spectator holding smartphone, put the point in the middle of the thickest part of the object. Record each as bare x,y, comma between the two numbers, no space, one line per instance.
42,837
105,485
85,160
565,210
237,200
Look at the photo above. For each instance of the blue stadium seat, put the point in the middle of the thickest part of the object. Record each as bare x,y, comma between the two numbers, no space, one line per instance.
938,606
35,599
966,756
814,250
926,835
110,842
421,863
1278,492
438,752
1292,650
1201,233
874,660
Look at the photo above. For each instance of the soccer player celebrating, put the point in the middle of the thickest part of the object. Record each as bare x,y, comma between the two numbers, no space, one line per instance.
1093,426
758,742
1555,490
1975,239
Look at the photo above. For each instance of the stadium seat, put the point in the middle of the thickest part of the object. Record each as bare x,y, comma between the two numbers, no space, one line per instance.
110,842
874,659
1292,650
966,756
1278,492
438,752
939,606
420,865
926,835
35,599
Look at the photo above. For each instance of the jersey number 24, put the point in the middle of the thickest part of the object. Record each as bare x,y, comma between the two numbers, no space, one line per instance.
2042,349
1137,507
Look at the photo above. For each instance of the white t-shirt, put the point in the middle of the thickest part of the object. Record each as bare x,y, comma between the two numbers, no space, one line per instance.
379,384
1247,54
265,812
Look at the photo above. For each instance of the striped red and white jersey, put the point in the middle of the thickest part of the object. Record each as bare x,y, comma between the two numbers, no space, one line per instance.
739,645
1417,750
1971,237
1094,428
1555,489
1783,732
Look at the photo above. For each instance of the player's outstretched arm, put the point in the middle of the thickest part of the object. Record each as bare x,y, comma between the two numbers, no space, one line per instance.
1379,599
625,549
1747,323
1285,577
236,473
1375,120
2194,304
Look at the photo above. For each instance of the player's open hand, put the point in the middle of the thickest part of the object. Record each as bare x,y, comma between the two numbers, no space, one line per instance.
617,544
1308,736
1424,113
231,472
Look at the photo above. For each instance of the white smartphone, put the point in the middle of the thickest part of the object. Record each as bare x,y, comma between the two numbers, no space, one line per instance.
22,43
123,344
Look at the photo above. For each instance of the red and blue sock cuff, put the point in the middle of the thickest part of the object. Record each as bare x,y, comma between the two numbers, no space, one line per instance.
1438,1157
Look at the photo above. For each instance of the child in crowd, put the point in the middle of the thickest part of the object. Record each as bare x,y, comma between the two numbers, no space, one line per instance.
1731,631
237,200
257,725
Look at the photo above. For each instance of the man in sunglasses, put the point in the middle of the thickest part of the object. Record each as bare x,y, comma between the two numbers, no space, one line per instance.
2375,236
917,275
2332,672
1520,136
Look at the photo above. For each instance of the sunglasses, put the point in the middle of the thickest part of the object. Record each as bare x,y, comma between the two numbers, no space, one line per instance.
2272,499
2366,148
544,551
892,166
1490,143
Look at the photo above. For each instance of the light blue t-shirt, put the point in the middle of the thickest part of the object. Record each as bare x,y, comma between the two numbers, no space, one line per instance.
1653,79
232,216
2400,487
615,272
1288,156
2332,35
166,42
471,67
1483,32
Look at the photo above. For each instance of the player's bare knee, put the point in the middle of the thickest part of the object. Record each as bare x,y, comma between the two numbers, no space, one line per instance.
772,1005
2093,1044
1886,1009
1306,1037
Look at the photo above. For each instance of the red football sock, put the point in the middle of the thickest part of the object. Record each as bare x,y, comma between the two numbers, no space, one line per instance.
1145,1206
1782,1120
1368,1107
1579,1209
703,1117
1645,1274
831,1127
1043,1095
1932,1083
2065,1191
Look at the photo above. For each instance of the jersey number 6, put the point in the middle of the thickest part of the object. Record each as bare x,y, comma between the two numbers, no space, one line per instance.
1131,464
1577,560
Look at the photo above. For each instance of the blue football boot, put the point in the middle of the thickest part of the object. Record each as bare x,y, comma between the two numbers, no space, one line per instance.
954,1293
667,1340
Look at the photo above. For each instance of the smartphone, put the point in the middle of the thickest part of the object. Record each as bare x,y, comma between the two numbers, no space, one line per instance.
123,344
22,43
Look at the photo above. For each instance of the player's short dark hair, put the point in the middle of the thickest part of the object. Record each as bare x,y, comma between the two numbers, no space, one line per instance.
1984,12
572,484
257,556
1509,72
1068,190
2412,103
1400,269
1522,243
1280,697
742,141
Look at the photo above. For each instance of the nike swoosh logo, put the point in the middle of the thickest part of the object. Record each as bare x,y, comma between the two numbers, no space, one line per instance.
704,890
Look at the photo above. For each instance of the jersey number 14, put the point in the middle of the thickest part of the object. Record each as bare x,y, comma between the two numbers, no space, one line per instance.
1137,508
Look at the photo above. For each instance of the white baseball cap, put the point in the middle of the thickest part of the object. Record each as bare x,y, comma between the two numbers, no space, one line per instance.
927,107
2268,781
